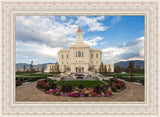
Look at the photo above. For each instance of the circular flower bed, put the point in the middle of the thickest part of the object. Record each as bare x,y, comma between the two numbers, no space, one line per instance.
49,87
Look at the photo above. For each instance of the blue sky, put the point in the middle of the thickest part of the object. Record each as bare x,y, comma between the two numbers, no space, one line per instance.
39,38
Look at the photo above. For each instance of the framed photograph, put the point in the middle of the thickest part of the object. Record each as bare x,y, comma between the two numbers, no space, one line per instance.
80,58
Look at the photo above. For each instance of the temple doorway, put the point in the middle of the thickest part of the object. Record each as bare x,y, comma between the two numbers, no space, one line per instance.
79,69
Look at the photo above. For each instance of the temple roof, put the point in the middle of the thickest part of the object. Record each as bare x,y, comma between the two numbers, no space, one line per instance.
79,30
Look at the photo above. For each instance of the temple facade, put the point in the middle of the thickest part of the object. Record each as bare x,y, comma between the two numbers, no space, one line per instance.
80,58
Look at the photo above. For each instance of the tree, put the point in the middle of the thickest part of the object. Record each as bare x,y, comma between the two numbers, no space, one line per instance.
109,68
105,69
137,69
117,69
43,67
24,68
101,67
131,68
31,68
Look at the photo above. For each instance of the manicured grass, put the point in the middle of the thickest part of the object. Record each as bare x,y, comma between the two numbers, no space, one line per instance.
126,75
39,74
86,83
36,74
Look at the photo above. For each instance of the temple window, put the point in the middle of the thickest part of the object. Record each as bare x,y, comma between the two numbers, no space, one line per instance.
82,54
76,54
62,55
96,55
91,55
79,54
67,56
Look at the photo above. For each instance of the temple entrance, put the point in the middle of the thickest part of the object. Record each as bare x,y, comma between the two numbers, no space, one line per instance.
79,69
82,69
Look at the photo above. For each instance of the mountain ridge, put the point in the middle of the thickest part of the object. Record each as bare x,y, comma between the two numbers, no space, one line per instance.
126,63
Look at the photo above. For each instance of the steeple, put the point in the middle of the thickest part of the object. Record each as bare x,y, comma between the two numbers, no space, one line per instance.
79,36
79,30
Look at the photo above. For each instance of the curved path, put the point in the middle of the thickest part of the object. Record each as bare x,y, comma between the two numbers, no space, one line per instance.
29,92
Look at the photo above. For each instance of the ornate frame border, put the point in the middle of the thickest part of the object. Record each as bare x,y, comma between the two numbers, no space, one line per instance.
148,9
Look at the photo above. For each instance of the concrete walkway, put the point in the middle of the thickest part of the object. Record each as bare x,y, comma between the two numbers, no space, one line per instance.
29,92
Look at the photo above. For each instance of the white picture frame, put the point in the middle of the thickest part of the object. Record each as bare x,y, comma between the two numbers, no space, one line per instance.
11,9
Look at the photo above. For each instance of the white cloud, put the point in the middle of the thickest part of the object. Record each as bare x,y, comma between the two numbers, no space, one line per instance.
115,19
93,42
63,18
44,30
133,50
105,42
92,23
35,51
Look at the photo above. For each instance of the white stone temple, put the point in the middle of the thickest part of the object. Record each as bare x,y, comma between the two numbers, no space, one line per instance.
80,58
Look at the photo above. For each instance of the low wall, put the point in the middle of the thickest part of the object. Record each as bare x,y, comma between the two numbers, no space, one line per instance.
54,78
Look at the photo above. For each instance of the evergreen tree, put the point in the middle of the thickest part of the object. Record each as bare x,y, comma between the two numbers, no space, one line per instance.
31,68
105,69
24,68
117,69
131,68
109,69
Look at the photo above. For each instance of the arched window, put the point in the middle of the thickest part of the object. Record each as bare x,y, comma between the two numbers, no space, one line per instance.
62,55
96,55
76,54
82,54
91,55
79,54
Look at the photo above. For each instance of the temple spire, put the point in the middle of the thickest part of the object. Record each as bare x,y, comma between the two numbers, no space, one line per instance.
79,36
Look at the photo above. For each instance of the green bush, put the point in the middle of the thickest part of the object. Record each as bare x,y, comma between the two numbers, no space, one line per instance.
98,89
66,88
53,85
46,86
104,88
109,82
113,88
80,86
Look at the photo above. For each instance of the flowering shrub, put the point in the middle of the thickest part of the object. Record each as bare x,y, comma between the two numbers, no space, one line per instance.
46,86
80,86
114,80
117,84
113,87
67,90
87,92
40,84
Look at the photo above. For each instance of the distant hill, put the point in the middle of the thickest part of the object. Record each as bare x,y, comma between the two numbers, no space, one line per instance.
19,66
126,63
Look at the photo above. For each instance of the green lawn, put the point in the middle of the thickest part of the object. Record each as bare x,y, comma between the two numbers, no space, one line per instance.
34,75
126,75
86,83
